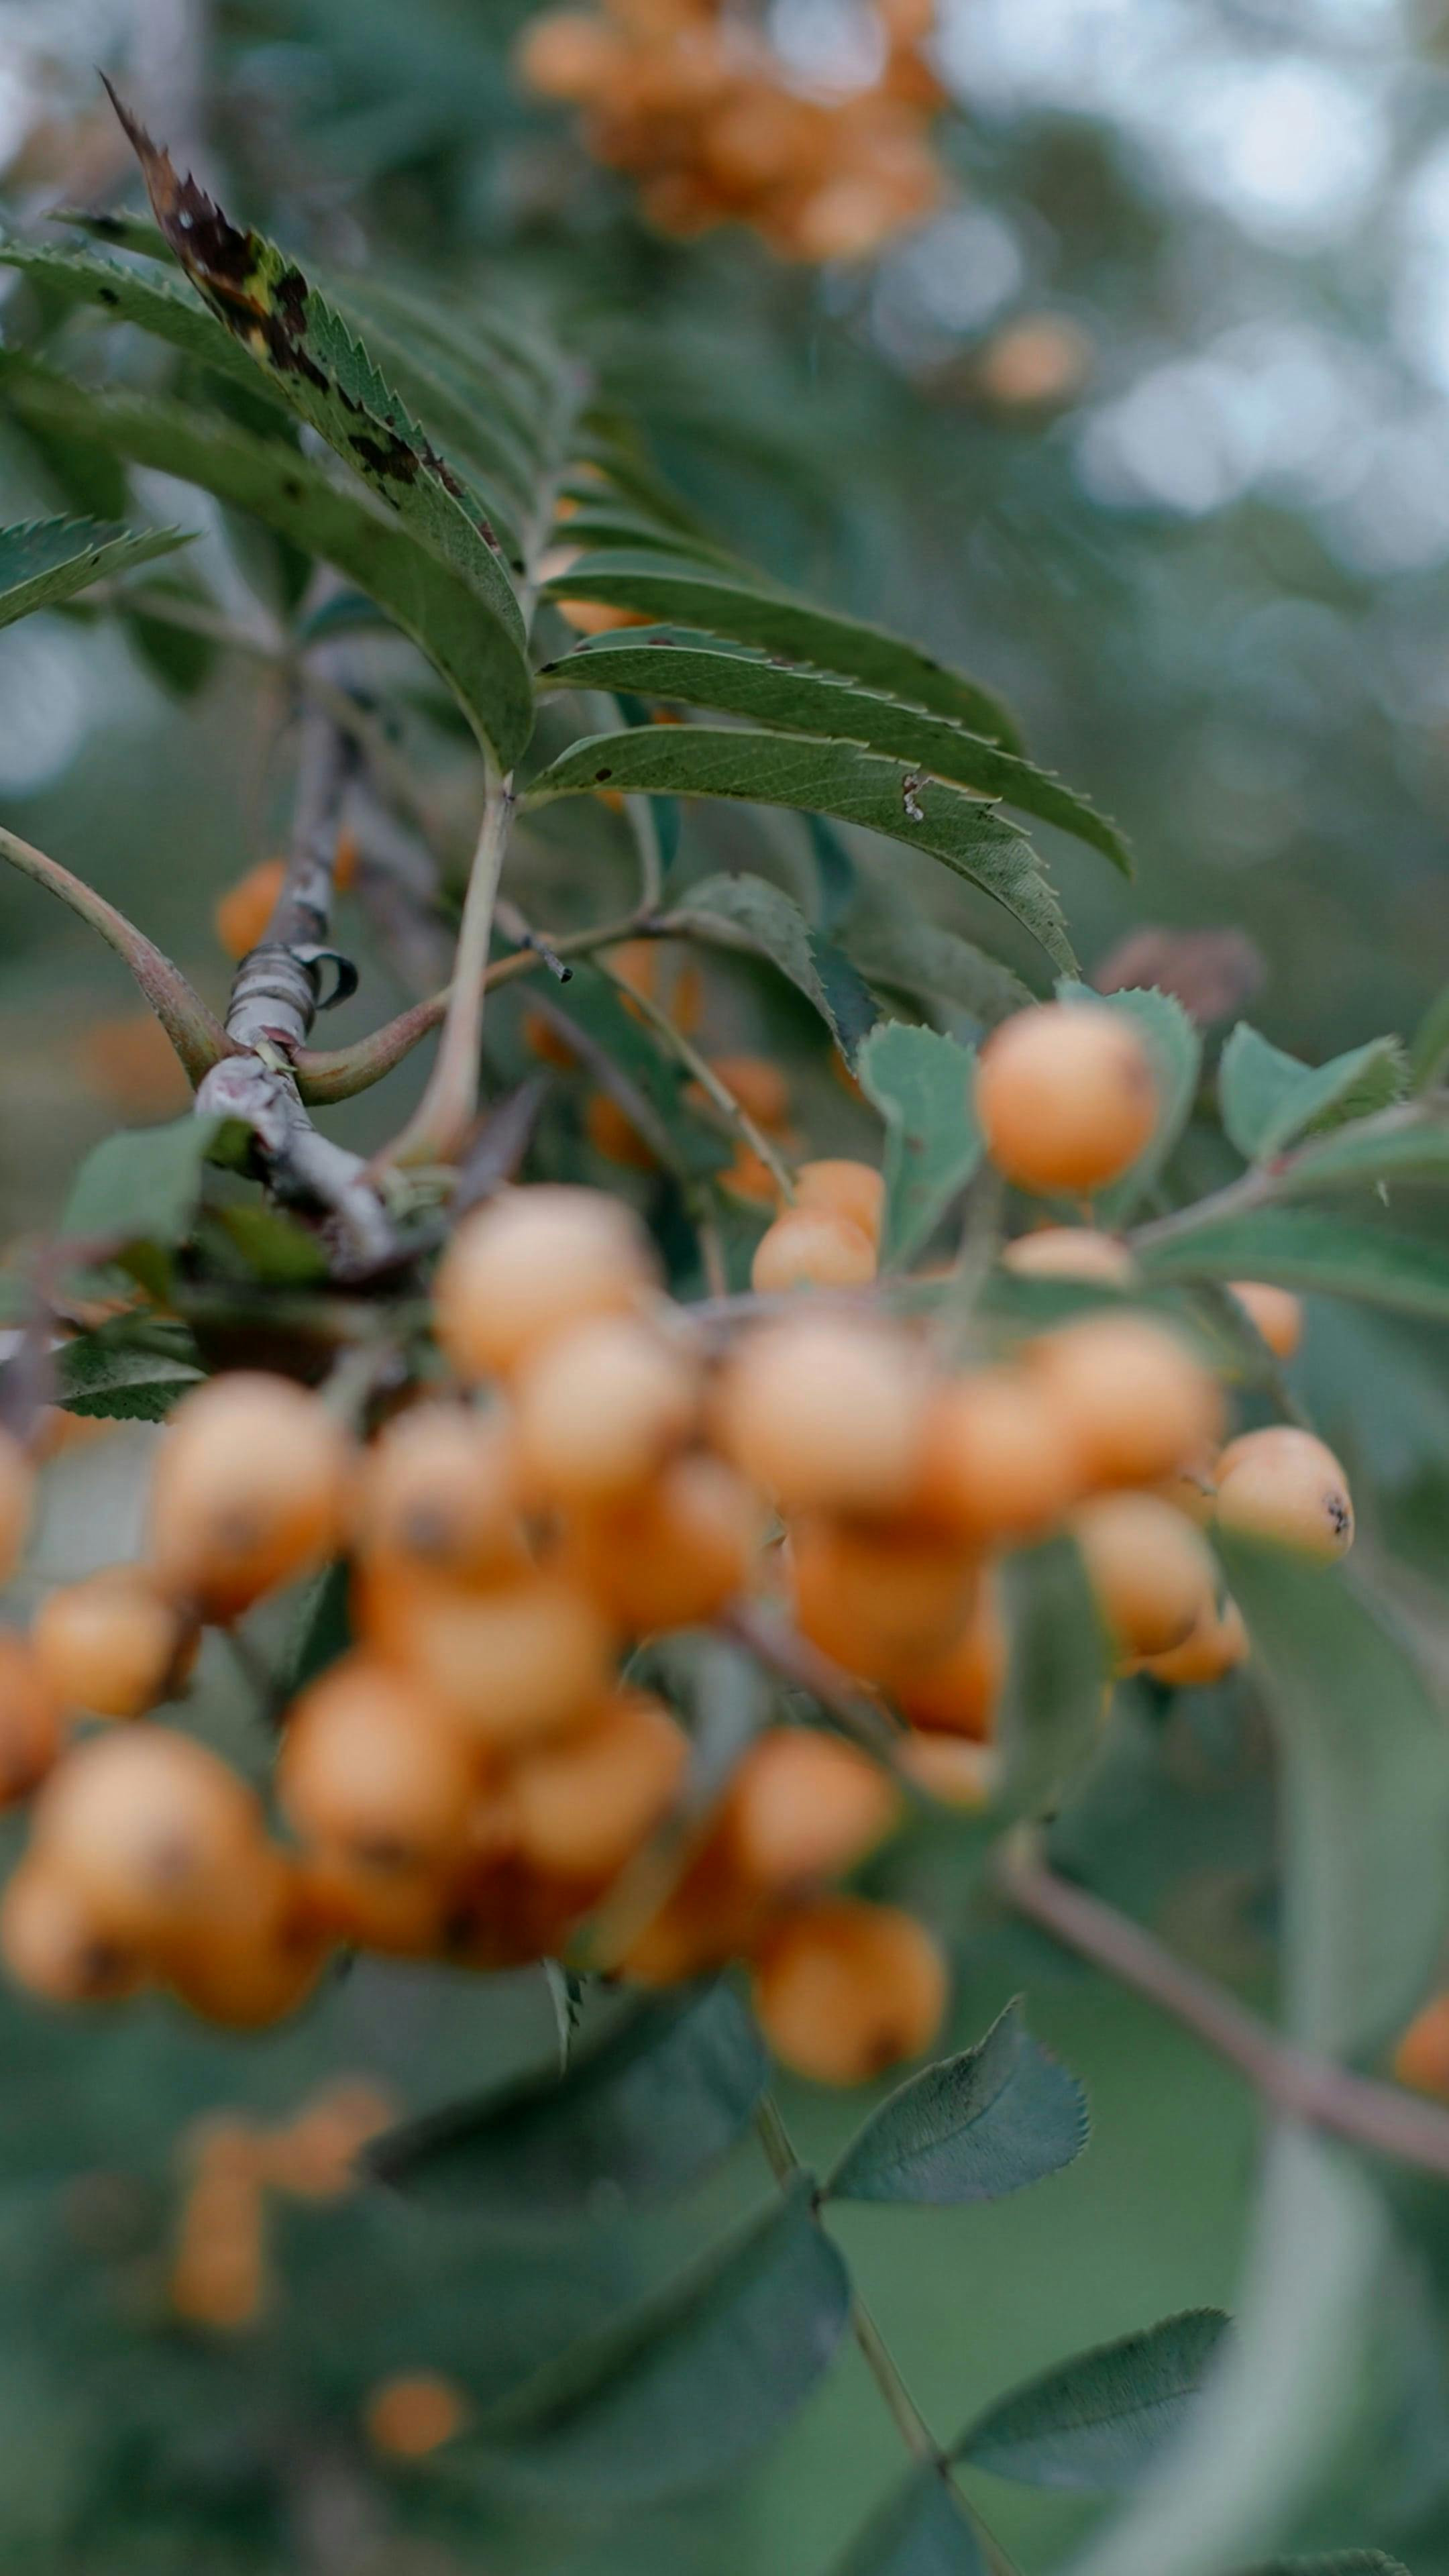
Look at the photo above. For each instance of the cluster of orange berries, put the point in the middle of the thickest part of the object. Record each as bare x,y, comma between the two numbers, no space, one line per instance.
694,104
218,2276
474,1780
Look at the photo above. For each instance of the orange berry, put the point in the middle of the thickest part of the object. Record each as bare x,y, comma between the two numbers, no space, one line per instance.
1421,2058
530,1263
802,1807
1136,1402
1066,1097
1283,1484
1044,359
314,2157
243,912
16,1483
1275,1314
612,1132
1217,1644
438,1494
757,1085
1149,1568
219,2277
524,1660
373,1765
876,1596
599,1409
568,54
842,1188
413,2413
31,1735
399,1912
952,1769
547,1042
844,1990
584,1806
151,1828
346,858
52,1944
822,1412
1071,1252
248,1491
1000,1464
1192,1490
811,1248
256,1959
595,617
958,1693
674,1554
636,962
750,1178
112,1645
131,1062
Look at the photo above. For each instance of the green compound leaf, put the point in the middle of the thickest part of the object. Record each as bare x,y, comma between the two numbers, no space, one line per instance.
1366,1812
921,2530
1268,1098
1417,1150
1097,2422
1302,1248
997,2118
700,595
1176,1051
144,1184
639,2115
746,912
153,303
45,561
921,1084
698,672
677,2394
834,778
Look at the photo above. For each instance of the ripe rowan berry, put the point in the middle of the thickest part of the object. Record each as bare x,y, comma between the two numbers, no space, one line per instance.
523,1660
612,1132
582,1807
243,912
953,1769
253,1959
402,1913
811,1248
822,1412
877,1596
959,1692
547,1042
374,1766
802,1807
1136,1402
838,1187
112,1645
414,2413
1066,1097
31,1734
533,1261
152,1829
1284,1484
844,1990
1421,2058
16,1482
755,1083
1150,1570
1000,1463
1217,1644
673,1554
52,1944
314,2156
568,54
750,1178
248,1492
1275,1314
1071,1252
438,1494
599,1409
219,2277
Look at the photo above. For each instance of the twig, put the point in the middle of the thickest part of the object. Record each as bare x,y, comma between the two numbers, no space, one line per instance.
792,1657
703,1072
438,1129
1298,2085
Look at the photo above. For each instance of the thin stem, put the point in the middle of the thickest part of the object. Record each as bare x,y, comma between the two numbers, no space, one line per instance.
905,2414
703,1072
785,1652
439,1128
199,1039
192,617
1298,2085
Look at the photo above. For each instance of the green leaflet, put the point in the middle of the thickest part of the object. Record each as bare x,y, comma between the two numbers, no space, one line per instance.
639,2115
1176,1051
428,601
921,1084
683,591
1430,1051
1098,2421
169,312
1269,1098
110,1380
1051,1709
1416,1151
834,778
43,561
897,949
690,669
746,911
1366,1759
920,2530
144,1184
1302,1248
991,2121
688,2385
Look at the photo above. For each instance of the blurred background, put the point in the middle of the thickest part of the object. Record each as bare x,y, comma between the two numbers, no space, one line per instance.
1146,422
